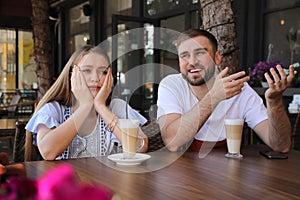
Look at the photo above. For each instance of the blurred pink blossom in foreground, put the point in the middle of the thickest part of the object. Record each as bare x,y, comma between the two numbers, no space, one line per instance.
58,183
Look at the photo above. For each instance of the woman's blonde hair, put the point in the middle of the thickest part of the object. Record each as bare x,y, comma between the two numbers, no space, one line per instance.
60,91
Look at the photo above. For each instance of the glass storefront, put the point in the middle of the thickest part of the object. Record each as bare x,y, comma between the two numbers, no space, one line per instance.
17,65
156,7
17,68
79,24
134,45
27,78
284,45
7,59
116,7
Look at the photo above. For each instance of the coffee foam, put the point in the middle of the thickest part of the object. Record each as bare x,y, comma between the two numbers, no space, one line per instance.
234,121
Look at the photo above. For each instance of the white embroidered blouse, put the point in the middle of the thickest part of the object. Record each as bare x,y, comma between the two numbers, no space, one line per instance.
98,143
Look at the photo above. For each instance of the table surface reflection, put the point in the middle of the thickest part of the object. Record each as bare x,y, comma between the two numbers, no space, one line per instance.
190,176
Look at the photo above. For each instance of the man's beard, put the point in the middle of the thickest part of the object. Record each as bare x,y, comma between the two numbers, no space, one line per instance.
195,81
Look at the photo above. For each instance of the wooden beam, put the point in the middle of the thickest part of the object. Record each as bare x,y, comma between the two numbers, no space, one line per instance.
20,104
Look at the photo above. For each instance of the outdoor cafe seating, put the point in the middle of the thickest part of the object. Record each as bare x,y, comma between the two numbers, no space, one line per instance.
16,107
193,175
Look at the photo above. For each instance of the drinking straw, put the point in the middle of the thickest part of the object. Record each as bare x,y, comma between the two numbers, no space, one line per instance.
126,98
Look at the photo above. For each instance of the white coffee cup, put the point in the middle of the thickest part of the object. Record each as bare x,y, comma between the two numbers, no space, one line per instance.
234,131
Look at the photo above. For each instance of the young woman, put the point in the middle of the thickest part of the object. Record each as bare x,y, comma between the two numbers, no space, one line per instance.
76,118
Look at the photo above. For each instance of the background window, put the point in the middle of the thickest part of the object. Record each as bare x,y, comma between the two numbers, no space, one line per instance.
79,28
7,59
27,66
282,32
17,66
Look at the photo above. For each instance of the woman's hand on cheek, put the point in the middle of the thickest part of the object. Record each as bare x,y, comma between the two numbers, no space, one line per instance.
79,87
105,89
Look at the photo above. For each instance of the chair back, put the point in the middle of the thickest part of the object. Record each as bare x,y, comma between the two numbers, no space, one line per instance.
32,152
296,134
23,149
15,100
19,142
153,132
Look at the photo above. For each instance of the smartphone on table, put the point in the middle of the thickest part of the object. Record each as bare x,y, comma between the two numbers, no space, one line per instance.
270,154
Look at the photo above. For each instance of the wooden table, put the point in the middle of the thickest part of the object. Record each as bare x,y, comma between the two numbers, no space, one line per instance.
191,177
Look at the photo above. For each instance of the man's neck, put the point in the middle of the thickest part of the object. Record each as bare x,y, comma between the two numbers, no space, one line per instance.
201,90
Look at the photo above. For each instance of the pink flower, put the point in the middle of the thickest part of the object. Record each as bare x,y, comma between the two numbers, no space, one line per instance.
60,183
18,188
93,192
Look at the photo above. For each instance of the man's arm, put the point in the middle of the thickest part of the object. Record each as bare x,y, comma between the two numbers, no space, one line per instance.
277,127
178,129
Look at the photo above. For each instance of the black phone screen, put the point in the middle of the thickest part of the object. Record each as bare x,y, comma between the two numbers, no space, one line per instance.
273,154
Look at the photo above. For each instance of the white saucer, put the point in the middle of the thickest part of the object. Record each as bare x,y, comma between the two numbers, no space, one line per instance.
136,160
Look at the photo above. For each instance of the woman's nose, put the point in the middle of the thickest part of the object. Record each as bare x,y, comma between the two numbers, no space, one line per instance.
95,76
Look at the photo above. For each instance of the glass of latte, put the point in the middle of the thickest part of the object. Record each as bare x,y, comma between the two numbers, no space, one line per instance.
234,130
131,142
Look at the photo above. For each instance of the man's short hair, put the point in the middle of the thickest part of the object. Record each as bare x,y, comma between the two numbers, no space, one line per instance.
191,33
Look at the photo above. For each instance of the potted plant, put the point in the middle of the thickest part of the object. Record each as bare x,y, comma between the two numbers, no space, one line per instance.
257,77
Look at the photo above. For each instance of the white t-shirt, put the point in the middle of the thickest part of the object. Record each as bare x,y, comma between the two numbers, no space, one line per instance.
175,96
98,143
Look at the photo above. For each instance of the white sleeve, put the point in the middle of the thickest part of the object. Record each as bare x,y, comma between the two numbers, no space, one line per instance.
168,100
50,115
254,108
